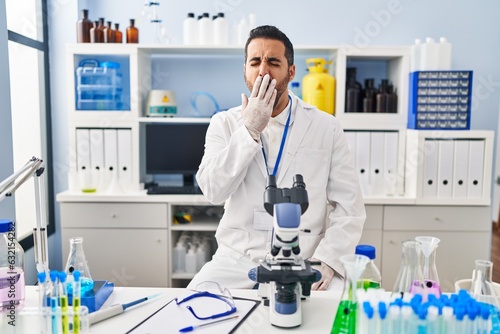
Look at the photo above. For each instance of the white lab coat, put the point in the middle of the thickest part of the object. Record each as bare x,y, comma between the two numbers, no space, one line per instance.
233,171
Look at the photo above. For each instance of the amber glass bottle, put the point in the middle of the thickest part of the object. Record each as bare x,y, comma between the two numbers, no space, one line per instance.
132,33
118,34
83,27
109,34
97,32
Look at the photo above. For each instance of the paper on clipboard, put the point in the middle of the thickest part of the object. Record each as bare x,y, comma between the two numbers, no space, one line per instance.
171,317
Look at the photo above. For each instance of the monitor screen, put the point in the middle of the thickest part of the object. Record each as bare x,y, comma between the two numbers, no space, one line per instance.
174,148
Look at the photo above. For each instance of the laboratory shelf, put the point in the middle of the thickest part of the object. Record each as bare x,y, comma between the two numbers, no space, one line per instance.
195,226
182,275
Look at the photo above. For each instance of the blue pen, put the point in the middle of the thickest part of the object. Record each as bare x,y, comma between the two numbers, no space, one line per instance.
191,328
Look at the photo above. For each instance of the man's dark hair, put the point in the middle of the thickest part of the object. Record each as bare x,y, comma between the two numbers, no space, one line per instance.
271,32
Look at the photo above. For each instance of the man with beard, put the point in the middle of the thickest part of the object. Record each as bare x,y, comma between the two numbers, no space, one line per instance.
273,132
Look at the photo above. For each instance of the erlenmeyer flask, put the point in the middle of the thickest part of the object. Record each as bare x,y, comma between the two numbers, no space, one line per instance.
345,319
481,285
410,278
429,246
77,261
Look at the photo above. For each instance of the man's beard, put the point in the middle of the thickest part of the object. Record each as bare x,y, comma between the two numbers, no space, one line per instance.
281,87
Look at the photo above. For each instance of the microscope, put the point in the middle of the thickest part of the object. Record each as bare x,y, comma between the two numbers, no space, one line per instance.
284,277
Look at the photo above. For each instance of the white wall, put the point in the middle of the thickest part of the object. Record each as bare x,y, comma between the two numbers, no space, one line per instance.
471,26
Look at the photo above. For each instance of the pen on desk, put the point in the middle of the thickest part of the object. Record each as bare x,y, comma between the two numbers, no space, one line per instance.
191,328
116,309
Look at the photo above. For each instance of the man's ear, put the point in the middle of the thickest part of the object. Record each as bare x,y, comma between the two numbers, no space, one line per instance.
291,72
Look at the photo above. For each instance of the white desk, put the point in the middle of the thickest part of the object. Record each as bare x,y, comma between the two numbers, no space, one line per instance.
318,311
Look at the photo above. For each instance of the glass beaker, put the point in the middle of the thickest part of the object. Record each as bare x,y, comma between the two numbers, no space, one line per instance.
345,319
77,261
481,285
431,278
410,278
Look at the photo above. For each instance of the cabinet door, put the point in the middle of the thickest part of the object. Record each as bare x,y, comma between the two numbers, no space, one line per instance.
372,231
127,257
455,255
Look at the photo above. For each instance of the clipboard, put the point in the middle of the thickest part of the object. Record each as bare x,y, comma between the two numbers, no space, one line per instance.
170,318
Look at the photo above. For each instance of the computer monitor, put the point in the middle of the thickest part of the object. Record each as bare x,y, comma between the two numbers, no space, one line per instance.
175,148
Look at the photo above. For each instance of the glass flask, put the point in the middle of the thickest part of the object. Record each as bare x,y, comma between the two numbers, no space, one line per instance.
370,278
132,33
345,319
429,271
481,286
77,261
410,278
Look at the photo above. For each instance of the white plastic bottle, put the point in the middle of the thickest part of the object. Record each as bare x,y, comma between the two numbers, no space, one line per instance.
200,257
191,261
205,30
444,55
252,21
430,55
416,52
190,30
179,257
221,30
242,32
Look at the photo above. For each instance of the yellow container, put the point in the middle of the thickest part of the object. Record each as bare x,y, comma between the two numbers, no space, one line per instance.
318,87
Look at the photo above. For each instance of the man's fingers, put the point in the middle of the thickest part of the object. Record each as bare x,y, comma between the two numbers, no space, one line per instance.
244,101
256,86
264,86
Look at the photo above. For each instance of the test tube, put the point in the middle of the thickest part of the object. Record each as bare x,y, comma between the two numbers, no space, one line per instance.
394,319
76,301
54,303
63,298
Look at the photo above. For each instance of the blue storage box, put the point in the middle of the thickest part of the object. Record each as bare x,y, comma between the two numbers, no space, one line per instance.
102,290
98,85
440,100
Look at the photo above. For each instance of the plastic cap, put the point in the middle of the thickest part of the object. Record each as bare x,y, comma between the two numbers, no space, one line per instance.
42,276
53,275
5,225
443,40
418,41
191,15
221,15
295,84
76,275
62,276
366,250
109,64
429,40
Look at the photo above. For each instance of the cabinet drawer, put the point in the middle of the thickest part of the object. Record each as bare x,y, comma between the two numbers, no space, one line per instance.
437,218
374,216
114,215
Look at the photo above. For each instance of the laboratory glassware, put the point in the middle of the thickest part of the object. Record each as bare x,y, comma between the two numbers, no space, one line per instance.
118,34
108,33
83,26
481,286
97,32
429,245
78,261
12,282
370,278
132,33
353,92
410,278
345,319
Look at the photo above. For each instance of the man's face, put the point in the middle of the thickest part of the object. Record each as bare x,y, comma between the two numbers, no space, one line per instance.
267,56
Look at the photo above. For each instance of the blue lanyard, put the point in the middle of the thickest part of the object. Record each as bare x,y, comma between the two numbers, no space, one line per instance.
283,139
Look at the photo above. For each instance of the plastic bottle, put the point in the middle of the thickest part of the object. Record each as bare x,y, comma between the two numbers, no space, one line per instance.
392,100
221,30
108,33
430,55
191,261
242,32
444,55
190,30
179,257
83,27
132,33
370,278
205,30
416,53
382,97
295,88
318,87
353,92
200,256
118,34
12,281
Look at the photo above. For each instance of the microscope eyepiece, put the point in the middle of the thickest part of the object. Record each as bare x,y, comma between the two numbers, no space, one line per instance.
298,181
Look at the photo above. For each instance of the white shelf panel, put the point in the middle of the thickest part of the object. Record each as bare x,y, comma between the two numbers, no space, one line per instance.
182,276
196,226
174,120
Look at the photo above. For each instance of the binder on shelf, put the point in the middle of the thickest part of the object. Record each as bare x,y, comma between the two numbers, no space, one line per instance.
363,161
460,168
429,186
110,160
125,157
476,169
96,149
377,140
391,141
82,149
445,169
